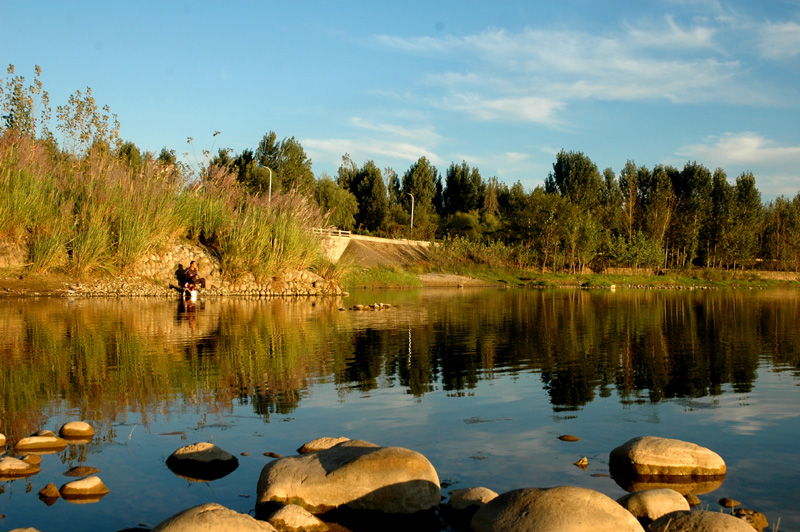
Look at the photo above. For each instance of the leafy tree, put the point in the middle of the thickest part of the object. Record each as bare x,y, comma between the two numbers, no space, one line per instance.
718,225
370,192
131,154
288,161
746,215
464,224
692,188
463,189
629,188
420,180
167,157
338,202
658,201
576,177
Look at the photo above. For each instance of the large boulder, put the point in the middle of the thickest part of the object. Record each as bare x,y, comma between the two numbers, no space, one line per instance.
2,441
559,509
699,521
470,498
647,506
356,475
212,517
649,455
202,461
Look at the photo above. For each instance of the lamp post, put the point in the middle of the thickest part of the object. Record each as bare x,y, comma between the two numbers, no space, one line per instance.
412,213
269,199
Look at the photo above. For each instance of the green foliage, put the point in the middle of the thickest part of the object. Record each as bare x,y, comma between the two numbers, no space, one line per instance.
338,203
83,124
369,190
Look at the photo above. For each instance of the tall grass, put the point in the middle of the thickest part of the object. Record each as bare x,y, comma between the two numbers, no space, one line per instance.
96,213
453,252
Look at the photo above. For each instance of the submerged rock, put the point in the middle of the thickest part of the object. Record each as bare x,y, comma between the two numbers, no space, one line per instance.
49,494
755,519
202,462
699,521
560,509
212,517
81,471
356,475
649,505
649,455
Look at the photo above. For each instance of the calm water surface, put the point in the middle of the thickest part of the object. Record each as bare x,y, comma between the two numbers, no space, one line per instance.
482,382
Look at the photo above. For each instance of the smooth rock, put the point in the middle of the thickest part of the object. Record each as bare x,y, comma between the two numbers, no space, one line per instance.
76,429
212,517
692,499
89,489
11,468
699,521
26,529
469,498
202,461
33,459
2,440
320,444
49,494
583,463
649,455
45,444
560,509
649,505
355,474
293,518
44,433
755,519
568,437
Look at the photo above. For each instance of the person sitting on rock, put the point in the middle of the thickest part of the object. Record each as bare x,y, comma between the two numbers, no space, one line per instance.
193,278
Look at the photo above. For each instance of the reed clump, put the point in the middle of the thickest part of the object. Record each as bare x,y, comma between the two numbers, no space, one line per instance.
97,213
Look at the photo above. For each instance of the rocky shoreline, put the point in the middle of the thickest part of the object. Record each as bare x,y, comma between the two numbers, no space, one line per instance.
343,484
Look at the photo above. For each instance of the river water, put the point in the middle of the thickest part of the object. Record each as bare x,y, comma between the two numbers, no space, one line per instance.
480,381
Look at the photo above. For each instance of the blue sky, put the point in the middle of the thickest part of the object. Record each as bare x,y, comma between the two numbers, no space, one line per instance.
501,85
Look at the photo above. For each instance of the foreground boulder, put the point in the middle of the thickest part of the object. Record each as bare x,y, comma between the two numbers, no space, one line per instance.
647,506
212,517
202,461
649,455
2,440
470,499
355,475
699,521
560,509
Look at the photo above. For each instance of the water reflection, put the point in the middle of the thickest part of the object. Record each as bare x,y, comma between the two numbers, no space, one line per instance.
99,360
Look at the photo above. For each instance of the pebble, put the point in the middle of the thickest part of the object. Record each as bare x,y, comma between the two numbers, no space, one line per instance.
569,437
728,503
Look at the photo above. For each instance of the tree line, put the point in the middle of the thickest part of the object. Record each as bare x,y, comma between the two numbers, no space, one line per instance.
655,218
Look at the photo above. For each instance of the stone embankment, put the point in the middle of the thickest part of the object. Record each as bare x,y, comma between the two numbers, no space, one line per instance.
159,275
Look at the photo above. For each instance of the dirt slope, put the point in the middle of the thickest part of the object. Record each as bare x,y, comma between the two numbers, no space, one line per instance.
370,254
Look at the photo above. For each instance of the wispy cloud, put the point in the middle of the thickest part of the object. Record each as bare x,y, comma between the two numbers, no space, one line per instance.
777,164
363,150
780,40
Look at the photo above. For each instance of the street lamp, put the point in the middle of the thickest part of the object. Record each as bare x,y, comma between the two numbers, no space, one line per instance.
269,200
412,213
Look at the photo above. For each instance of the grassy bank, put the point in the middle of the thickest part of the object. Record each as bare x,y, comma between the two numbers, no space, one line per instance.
97,214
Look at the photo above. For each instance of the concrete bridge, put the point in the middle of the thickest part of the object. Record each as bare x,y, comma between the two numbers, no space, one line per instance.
371,251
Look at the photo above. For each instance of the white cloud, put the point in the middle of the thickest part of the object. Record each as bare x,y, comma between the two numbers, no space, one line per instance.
780,40
330,151
525,109
776,167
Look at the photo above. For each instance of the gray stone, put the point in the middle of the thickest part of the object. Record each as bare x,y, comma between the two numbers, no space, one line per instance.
355,474
559,509
320,444
212,517
468,498
649,455
699,521
649,505
293,518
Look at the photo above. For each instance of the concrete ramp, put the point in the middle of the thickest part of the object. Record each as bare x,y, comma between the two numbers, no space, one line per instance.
370,252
